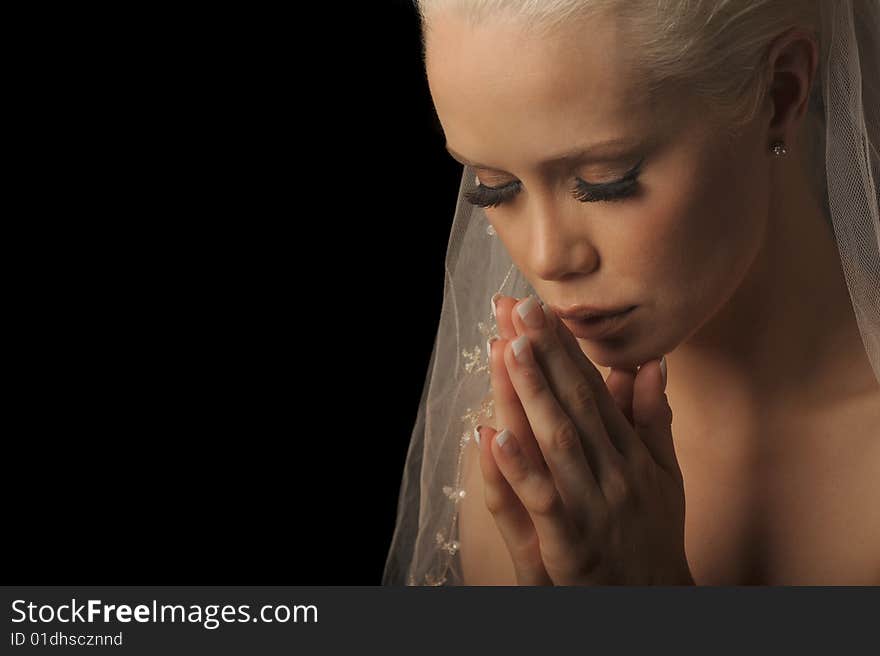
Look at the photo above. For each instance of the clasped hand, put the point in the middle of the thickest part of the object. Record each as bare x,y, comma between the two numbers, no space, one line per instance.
586,488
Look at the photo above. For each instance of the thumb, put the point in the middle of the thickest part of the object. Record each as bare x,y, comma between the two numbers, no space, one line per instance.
620,385
652,414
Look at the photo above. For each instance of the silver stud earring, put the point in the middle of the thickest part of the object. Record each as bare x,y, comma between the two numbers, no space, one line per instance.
778,148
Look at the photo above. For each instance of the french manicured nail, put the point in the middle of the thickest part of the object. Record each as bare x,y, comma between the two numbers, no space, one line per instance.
503,438
663,370
521,349
531,312
495,298
477,435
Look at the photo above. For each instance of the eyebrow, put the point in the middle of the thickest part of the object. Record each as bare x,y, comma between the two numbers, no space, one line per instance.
607,150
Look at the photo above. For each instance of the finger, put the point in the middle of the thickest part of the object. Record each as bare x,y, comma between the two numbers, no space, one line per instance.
513,520
653,416
539,494
620,384
509,412
501,306
620,430
575,392
557,435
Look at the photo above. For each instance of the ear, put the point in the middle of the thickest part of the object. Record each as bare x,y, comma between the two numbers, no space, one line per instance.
793,58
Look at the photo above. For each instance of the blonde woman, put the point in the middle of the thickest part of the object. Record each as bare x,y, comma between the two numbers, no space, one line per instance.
673,205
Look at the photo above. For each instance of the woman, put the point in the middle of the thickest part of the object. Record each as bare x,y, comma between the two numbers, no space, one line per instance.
707,172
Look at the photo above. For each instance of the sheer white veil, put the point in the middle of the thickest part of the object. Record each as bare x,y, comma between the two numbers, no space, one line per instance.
846,97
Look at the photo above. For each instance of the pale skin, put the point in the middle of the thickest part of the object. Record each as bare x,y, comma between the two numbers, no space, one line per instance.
737,279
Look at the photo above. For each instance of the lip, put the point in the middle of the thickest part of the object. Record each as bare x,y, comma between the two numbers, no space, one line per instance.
599,327
581,312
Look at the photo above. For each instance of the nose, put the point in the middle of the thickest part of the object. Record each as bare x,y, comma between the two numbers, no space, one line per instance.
559,246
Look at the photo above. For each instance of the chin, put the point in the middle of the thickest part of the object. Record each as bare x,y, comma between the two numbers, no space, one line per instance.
618,354
607,356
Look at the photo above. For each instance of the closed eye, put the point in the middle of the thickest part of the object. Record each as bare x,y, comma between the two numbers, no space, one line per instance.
586,192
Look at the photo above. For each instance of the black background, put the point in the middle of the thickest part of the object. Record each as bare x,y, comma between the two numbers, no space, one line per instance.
224,275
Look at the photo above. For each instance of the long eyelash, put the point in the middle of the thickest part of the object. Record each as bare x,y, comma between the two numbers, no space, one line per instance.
491,196
586,192
591,193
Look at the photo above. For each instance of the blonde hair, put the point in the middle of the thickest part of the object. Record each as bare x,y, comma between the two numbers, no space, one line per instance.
713,51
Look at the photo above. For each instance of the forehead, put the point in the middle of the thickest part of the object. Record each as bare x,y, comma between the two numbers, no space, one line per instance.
496,81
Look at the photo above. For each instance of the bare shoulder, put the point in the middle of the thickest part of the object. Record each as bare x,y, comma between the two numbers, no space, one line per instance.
484,556
862,422
872,430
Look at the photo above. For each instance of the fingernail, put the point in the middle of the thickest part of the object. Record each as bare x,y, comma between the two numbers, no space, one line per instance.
489,347
520,349
504,438
663,371
477,435
495,298
530,312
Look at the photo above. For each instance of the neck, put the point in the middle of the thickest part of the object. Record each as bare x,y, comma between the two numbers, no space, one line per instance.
788,337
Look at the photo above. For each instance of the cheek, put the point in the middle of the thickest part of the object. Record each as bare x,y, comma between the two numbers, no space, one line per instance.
700,231
731,219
